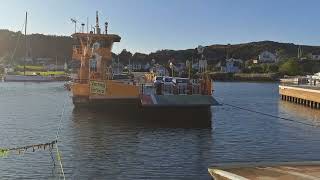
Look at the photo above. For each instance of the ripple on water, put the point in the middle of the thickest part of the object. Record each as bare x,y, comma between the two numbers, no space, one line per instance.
104,145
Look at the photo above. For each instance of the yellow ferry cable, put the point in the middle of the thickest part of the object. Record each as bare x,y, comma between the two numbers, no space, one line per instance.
60,161
57,137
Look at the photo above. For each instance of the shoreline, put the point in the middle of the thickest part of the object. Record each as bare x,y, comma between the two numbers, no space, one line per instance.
245,77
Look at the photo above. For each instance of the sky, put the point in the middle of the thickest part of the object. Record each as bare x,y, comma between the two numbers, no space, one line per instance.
150,25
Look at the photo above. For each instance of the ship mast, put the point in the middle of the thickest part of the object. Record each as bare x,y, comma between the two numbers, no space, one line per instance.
26,49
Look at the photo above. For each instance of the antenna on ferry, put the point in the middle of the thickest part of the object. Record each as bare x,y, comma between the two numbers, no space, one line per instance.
97,23
106,27
82,27
75,24
87,25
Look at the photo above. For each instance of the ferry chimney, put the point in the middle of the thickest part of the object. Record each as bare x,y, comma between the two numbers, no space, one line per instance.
97,23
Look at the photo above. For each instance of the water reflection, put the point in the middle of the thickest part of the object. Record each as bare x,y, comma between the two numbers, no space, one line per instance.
123,143
146,118
311,116
128,144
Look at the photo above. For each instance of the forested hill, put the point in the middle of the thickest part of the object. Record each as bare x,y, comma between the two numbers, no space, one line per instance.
39,45
61,46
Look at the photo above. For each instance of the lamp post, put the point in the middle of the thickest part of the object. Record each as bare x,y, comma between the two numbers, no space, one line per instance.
171,66
188,66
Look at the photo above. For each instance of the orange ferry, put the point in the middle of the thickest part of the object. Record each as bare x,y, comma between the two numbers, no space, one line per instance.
96,84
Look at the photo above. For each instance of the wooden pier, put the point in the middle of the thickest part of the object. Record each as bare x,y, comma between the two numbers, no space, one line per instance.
305,95
299,170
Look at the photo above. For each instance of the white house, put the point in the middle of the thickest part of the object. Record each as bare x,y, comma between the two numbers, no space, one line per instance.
203,64
179,68
315,57
160,70
267,57
135,67
27,60
232,65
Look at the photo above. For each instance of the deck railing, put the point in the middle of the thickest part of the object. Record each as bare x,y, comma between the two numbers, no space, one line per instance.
163,89
81,81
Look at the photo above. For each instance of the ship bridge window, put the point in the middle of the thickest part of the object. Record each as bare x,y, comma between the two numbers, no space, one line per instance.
96,45
104,44
93,65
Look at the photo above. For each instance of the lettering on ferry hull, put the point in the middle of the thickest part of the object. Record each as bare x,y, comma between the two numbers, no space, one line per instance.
97,87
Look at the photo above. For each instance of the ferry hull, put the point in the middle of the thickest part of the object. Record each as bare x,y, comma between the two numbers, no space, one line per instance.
132,111
182,114
84,101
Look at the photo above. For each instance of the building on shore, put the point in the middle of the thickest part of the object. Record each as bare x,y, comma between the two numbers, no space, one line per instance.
315,57
267,57
232,65
160,70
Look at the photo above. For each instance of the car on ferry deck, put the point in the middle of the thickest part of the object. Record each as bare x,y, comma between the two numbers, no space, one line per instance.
181,85
168,85
158,80
168,80
181,81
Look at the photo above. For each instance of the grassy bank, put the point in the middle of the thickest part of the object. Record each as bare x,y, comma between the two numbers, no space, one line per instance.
29,68
42,73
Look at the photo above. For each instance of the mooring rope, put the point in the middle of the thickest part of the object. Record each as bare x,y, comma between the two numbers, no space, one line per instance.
57,137
61,118
60,161
21,149
269,115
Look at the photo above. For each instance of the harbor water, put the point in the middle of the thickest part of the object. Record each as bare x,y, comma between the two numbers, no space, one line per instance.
99,144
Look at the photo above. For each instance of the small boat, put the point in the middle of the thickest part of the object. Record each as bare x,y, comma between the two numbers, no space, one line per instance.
35,77
295,80
316,76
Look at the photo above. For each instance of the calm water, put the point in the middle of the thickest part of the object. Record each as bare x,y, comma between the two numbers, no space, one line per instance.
104,145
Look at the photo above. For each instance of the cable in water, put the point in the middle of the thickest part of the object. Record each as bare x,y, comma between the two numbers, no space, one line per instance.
269,115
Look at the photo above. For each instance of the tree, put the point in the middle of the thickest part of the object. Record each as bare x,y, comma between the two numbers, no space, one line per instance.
256,69
272,68
290,67
6,59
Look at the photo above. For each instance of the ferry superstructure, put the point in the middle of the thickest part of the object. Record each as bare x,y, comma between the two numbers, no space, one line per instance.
95,84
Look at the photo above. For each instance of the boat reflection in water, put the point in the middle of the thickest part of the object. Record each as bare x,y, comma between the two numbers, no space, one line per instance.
152,117
121,144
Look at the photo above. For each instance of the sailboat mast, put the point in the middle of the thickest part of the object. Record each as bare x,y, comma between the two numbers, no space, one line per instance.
25,37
